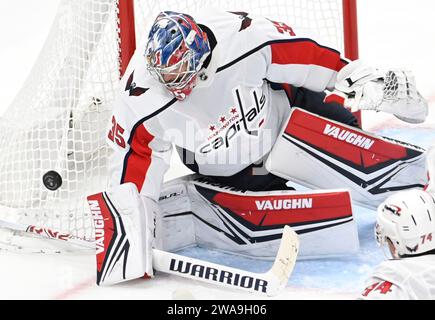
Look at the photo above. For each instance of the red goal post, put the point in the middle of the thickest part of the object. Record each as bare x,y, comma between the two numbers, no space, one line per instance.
127,33
350,27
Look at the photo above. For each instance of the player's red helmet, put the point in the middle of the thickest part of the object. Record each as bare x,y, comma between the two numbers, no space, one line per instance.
175,52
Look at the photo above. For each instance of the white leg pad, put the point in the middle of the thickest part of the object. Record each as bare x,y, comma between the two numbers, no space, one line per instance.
251,223
322,154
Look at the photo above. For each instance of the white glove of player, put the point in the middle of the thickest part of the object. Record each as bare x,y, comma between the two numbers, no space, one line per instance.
393,91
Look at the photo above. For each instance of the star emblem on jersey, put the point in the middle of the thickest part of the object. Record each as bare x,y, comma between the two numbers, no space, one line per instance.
223,119
133,89
233,110
212,128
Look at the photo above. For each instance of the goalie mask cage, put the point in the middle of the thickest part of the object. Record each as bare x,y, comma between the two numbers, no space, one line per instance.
59,120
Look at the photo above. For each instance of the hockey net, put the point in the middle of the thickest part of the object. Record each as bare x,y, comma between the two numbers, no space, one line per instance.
59,120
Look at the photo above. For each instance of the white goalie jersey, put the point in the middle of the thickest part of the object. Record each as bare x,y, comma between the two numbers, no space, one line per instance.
232,117
404,279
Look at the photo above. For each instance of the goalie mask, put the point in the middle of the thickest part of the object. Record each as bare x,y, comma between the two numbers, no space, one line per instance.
407,220
175,52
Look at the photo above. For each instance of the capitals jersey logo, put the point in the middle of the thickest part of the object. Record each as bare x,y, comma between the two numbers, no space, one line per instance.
242,121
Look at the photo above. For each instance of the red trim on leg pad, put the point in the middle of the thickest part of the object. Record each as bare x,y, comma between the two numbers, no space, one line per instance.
103,224
347,143
271,210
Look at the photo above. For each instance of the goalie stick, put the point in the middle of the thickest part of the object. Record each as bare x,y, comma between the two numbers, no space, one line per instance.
270,282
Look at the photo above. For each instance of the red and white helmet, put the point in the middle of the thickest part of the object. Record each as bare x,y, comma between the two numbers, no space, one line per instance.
407,219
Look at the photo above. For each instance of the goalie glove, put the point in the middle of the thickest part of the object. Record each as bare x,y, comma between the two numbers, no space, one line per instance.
394,91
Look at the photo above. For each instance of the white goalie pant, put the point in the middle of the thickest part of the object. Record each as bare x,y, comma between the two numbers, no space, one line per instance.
250,224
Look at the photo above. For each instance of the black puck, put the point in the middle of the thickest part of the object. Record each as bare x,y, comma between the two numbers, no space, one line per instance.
52,180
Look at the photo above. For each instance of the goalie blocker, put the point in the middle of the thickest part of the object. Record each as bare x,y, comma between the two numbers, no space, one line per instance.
124,234
320,153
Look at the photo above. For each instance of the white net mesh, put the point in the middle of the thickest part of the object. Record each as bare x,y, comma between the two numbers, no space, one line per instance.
322,18
59,119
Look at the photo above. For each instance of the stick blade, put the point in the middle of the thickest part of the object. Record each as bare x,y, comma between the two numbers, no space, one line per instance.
284,262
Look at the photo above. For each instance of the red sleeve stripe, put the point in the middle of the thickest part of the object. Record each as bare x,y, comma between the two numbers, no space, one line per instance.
138,159
306,52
